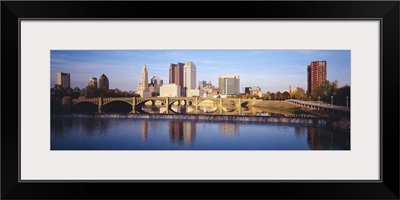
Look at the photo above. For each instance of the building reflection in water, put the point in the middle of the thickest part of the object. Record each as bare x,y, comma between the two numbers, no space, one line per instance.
229,129
300,131
180,132
325,139
154,109
144,130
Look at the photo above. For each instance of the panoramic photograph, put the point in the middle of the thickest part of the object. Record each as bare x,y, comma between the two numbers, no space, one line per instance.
200,100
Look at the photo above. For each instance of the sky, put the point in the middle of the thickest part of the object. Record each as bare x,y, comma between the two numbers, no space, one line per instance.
271,70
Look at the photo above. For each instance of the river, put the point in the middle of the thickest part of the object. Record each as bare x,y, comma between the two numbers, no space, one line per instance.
90,133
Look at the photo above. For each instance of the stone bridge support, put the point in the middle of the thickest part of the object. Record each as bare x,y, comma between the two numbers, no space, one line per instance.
197,104
100,105
167,105
133,105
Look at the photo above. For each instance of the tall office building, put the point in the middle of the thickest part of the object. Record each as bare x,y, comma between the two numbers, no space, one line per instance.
189,75
316,74
202,84
176,74
103,82
229,84
63,80
92,82
156,81
143,86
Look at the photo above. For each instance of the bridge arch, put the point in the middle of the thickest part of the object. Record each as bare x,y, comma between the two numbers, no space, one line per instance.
117,106
84,107
116,100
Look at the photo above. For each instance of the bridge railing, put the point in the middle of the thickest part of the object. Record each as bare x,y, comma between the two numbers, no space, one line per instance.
321,105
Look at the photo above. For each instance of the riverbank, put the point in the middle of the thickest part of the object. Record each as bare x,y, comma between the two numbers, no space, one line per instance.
209,118
287,108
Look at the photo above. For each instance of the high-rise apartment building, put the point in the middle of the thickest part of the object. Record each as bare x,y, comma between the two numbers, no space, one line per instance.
316,75
189,75
63,80
103,82
229,85
92,82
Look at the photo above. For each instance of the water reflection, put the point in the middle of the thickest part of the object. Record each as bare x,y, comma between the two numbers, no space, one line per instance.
154,109
182,132
144,130
229,129
142,134
322,139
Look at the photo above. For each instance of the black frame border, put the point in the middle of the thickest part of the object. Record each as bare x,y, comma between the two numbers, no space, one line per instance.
386,11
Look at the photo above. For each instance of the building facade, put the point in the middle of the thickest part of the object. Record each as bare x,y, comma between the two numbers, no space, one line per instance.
156,81
229,85
255,90
195,93
170,90
316,75
103,82
176,73
247,90
189,76
63,80
154,90
143,86
202,84
92,82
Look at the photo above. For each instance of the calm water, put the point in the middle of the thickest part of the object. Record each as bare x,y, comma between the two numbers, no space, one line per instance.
138,134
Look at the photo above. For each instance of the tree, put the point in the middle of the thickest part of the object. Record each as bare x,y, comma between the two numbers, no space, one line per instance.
285,95
91,92
77,89
325,90
102,91
272,96
278,95
298,93
267,97
342,96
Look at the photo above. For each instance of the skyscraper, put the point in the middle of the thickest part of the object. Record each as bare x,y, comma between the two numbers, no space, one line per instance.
176,74
145,78
156,81
103,82
202,84
189,75
143,86
63,80
316,75
229,84
92,82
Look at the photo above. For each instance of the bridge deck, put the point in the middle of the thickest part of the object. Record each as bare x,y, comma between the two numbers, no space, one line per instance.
319,105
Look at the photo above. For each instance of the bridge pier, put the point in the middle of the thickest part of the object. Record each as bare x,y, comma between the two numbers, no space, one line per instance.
167,104
196,103
133,105
100,105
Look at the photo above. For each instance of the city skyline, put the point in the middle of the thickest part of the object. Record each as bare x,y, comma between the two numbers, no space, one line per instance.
271,70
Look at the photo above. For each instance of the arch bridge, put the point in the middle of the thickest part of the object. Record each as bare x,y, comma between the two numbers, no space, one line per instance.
167,101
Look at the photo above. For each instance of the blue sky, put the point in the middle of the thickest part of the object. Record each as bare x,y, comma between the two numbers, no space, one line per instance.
272,70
